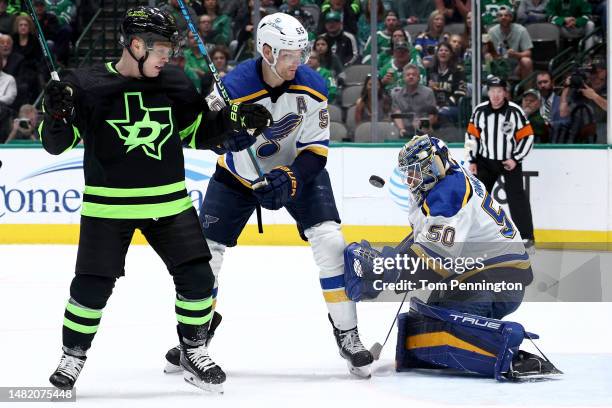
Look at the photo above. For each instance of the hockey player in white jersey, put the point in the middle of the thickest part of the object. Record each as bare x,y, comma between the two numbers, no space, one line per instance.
464,242
291,154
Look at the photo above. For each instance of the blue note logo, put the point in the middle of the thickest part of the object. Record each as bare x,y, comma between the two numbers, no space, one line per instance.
209,219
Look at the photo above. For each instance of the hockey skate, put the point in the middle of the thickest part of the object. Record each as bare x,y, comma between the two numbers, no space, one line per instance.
173,356
199,369
528,367
358,358
67,371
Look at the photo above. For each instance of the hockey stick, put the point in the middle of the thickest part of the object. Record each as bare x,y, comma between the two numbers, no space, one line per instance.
214,72
43,42
376,348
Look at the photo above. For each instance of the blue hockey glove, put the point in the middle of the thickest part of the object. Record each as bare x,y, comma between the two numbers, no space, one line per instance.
359,271
281,185
363,273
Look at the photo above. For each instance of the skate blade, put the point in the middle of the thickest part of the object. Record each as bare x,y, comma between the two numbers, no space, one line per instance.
361,372
212,388
172,369
537,376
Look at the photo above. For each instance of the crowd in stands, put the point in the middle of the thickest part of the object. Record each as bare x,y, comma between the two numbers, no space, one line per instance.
424,58
23,72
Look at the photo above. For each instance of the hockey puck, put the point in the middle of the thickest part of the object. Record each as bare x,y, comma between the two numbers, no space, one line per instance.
377,181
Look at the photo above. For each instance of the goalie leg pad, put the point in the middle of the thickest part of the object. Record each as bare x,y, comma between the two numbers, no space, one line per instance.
435,337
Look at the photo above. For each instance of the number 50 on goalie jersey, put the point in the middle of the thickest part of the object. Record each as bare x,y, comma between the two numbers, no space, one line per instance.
459,219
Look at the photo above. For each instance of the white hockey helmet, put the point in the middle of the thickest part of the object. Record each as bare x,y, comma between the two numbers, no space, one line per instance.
282,32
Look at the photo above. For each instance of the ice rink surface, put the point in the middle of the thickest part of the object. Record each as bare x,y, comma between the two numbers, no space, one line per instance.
275,342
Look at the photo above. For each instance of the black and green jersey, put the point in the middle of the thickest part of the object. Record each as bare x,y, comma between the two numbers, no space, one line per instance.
133,131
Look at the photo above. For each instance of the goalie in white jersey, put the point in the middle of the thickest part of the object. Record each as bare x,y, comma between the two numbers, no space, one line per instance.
454,220
292,154
463,242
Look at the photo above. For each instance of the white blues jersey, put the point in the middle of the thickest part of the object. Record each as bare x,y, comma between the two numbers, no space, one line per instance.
299,110
459,219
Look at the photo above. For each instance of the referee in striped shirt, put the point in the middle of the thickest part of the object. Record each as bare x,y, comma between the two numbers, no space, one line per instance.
498,138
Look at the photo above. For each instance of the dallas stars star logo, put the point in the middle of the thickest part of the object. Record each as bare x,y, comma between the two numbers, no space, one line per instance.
148,128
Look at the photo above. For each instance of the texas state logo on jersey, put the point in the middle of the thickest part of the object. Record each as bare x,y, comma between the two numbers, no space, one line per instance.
299,110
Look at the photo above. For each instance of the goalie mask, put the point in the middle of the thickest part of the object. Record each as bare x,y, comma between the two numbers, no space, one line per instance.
422,162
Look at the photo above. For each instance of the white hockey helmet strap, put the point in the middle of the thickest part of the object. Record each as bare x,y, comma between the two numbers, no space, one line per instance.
281,32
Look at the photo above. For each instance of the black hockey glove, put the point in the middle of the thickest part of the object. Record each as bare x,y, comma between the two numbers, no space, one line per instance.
281,185
236,142
59,100
249,116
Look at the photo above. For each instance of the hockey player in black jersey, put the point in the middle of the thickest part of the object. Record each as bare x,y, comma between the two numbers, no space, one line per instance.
134,117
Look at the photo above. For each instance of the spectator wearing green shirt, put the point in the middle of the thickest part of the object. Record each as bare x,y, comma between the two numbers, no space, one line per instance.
221,24
315,63
383,37
490,8
573,17
55,17
208,34
363,23
391,72
397,36
65,10
195,66
14,7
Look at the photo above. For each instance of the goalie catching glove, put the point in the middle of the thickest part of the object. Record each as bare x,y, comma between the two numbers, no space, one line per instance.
277,188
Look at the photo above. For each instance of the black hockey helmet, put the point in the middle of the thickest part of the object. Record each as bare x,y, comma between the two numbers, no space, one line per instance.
149,23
